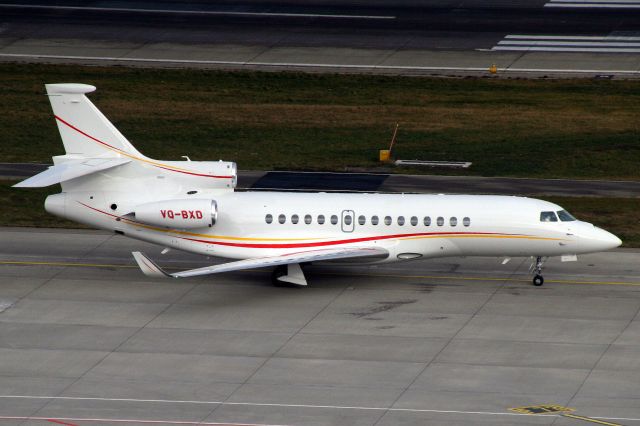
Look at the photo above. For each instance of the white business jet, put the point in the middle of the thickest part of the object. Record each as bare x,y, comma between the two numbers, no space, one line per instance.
192,206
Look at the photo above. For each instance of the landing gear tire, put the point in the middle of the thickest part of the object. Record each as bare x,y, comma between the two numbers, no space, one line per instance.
538,280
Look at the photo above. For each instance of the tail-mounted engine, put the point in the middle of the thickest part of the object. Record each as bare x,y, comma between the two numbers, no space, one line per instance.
182,214
202,174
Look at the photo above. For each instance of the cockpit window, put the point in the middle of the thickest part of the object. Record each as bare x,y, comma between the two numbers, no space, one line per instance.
565,216
548,217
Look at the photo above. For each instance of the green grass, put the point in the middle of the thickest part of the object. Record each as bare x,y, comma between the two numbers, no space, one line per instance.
533,128
25,207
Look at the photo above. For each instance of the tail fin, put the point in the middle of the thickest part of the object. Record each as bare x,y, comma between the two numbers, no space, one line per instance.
85,131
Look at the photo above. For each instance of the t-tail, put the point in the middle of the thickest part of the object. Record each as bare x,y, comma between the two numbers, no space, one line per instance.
94,145
103,172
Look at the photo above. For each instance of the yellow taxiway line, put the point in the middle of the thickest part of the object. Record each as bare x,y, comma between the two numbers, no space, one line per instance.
590,419
346,273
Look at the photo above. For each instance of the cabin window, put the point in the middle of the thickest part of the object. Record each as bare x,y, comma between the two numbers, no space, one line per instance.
427,221
440,221
374,220
453,221
565,216
295,219
347,219
400,220
414,220
387,220
466,221
282,218
334,219
362,220
320,219
307,219
548,217
268,218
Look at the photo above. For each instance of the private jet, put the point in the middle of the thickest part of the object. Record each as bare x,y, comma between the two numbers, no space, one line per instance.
193,206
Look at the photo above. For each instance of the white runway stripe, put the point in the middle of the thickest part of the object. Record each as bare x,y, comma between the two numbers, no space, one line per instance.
595,4
566,49
193,12
567,43
554,37
552,43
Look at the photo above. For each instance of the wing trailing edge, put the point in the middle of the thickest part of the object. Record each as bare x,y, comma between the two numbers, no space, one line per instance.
294,276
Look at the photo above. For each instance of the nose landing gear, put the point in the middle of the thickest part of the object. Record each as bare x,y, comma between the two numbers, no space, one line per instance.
536,268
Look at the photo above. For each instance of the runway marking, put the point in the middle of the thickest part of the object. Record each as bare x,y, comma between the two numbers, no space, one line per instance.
61,422
541,409
591,420
254,404
196,12
561,37
595,4
371,67
352,274
597,44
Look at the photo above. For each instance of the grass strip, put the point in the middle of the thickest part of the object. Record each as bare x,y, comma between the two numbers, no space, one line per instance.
528,128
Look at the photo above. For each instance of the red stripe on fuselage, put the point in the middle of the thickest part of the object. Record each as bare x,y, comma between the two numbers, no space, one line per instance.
321,243
340,242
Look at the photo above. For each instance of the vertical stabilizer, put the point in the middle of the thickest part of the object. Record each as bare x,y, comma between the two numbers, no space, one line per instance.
85,131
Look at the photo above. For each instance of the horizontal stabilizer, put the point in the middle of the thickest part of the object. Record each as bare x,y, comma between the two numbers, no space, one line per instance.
151,269
70,170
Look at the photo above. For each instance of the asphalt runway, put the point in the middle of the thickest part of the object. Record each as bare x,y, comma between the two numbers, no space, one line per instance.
381,182
521,37
86,339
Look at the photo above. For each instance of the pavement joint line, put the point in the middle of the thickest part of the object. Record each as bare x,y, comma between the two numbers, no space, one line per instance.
194,12
312,65
442,277
259,404
282,346
446,345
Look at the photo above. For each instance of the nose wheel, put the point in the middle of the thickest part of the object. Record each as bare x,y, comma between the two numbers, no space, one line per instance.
536,268
538,280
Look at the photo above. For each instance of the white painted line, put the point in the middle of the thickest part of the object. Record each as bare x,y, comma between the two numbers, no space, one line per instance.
195,12
555,37
593,6
566,49
308,65
260,404
253,404
568,43
597,1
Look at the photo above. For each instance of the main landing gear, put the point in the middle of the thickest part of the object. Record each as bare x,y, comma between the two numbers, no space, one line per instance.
536,268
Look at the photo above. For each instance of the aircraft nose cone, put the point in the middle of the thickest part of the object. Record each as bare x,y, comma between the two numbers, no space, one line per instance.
609,241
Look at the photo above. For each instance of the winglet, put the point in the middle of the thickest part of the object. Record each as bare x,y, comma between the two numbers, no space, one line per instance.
148,266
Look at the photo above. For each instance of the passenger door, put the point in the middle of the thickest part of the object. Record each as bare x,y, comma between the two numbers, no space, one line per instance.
348,221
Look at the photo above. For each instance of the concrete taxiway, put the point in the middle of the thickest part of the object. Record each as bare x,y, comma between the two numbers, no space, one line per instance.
86,339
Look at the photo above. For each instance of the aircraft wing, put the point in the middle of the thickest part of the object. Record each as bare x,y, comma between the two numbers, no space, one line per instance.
149,268
70,170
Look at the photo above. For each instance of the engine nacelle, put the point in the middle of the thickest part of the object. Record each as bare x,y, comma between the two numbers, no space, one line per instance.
183,214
